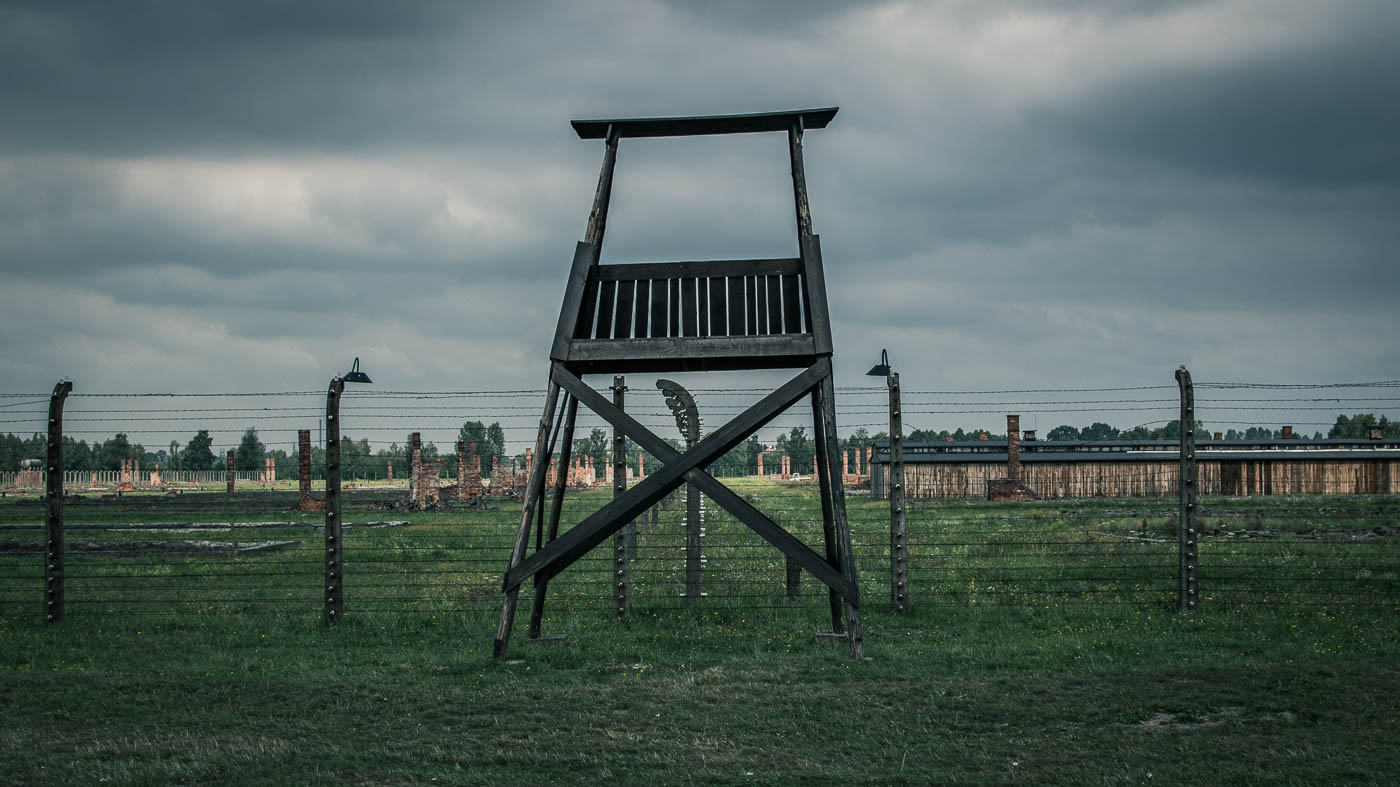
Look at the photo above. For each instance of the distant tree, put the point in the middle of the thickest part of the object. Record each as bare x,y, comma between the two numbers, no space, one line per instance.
172,456
113,452
251,453
1063,432
798,446
1099,431
198,454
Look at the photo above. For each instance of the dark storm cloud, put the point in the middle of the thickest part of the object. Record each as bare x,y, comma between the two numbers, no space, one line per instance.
1011,192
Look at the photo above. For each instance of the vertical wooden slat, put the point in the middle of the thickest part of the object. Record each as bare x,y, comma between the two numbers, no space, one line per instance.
761,305
643,305
689,317
792,308
606,292
658,308
719,313
622,316
675,310
775,305
736,305
751,305
702,306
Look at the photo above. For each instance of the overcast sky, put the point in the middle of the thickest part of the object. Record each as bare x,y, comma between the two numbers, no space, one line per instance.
245,196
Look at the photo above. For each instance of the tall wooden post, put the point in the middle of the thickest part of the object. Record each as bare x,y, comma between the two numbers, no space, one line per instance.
1187,528
622,572
561,485
53,506
899,548
335,561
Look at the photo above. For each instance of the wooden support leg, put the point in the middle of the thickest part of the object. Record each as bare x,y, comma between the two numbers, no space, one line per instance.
556,509
534,491
829,539
838,506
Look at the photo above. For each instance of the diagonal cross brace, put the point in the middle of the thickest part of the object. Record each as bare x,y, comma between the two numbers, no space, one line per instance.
677,469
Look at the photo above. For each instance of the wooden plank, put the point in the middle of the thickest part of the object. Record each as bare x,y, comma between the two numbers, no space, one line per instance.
818,320
719,313
622,315
606,293
736,305
658,308
607,520
674,324
703,124
775,304
622,568
698,269
702,305
751,306
583,350
534,491
576,315
555,510
792,307
799,180
690,323
761,304
642,308
826,394
602,196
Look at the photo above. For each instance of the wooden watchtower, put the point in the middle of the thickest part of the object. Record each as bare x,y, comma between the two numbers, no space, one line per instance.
689,316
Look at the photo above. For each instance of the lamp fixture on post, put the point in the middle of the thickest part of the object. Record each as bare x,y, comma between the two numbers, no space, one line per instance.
881,369
355,375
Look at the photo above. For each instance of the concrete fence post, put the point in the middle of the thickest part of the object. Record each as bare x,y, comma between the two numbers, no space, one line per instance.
1188,524
53,506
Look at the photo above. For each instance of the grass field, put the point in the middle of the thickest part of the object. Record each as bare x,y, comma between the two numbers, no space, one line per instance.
1041,648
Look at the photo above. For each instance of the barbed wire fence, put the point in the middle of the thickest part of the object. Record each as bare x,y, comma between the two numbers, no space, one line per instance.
1103,521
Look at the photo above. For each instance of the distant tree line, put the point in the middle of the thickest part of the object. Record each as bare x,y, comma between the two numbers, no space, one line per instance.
359,460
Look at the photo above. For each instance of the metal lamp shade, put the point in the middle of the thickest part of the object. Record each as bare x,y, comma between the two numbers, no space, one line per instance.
355,375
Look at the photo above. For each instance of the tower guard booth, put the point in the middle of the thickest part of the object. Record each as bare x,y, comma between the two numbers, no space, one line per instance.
664,317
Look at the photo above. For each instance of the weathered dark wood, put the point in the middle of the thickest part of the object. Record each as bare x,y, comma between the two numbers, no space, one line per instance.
576,315
335,556
658,308
773,286
690,318
642,308
602,196
818,320
799,178
751,301
555,511
674,313
829,536
534,490
583,350
591,531
53,506
622,315
760,301
827,391
702,305
690,269
736,305
607,293
792,304
703,124
793,576
719,308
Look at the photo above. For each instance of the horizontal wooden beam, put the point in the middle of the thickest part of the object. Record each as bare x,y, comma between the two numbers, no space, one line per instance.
787,266
678,348
704,124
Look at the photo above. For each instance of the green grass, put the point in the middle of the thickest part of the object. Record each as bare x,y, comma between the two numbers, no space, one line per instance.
1041,648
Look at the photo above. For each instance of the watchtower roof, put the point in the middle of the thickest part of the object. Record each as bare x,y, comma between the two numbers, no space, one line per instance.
704,124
